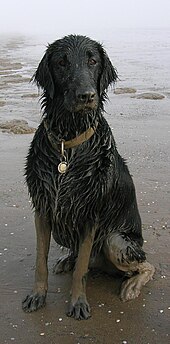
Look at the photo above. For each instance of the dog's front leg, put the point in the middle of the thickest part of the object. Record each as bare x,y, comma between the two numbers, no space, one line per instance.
79,307
36,299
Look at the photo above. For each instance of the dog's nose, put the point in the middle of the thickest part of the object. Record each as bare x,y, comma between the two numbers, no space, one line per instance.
86,97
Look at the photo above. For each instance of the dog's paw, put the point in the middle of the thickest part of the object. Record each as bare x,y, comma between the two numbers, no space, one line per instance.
64,264
130,289
33,302
79,310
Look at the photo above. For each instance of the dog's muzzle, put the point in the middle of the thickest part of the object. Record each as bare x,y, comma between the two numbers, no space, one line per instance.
81,100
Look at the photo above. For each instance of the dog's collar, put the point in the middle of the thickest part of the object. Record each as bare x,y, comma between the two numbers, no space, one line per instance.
76,141
61,145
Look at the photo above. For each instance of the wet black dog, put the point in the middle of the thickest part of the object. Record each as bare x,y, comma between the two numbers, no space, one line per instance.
80,186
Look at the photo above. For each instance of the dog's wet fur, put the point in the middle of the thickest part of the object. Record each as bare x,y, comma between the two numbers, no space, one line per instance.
91,209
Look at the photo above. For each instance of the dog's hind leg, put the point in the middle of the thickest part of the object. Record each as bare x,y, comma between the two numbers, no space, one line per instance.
64,264
127,255
79,307
36,299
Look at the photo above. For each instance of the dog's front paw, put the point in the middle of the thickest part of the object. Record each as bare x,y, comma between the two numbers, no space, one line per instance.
33,302
80,310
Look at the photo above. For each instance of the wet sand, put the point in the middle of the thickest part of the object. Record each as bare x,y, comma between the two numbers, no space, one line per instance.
142,131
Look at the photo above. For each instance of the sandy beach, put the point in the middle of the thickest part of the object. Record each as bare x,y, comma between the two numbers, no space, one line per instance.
139,115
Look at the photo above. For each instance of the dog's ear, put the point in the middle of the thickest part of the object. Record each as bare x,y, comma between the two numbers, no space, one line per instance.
109,73
43,77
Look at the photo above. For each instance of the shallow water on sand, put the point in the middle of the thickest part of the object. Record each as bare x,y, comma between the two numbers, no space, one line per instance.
140,56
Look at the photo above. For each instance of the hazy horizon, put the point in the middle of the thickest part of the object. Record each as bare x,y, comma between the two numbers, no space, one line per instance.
42,17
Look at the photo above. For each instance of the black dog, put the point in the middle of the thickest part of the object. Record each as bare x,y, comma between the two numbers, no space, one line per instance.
80,186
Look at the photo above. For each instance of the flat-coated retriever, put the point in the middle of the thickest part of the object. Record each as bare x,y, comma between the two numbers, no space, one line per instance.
80,186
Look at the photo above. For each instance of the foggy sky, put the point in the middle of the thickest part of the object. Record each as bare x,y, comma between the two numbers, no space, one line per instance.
81,16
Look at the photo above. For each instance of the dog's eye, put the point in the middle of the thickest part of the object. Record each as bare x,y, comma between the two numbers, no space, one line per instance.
62,62
92,62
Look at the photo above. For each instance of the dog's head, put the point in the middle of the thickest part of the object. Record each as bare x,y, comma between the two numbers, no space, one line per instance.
77,69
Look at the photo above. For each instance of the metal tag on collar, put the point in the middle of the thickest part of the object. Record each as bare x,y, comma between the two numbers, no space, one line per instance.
63,165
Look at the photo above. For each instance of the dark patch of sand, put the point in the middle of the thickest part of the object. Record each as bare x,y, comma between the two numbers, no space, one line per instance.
5,72
31,95
2,103
148,95
14,79
123,90
16,127
5,64
4,85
